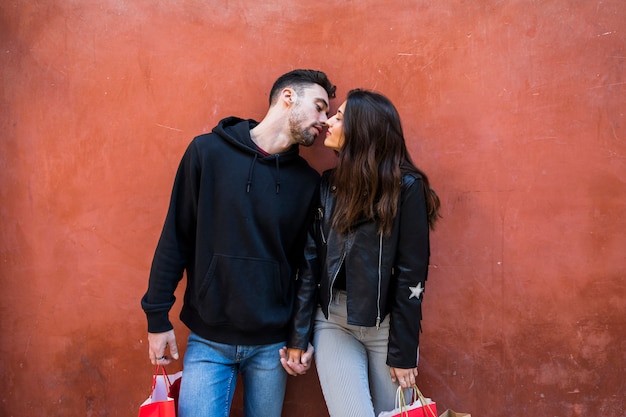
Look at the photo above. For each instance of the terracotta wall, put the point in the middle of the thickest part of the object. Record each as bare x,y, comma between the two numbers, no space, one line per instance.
515,108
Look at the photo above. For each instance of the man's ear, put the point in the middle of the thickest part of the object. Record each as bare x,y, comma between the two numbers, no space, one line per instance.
288,96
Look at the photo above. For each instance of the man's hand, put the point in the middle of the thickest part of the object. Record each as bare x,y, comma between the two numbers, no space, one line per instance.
158,346
296,361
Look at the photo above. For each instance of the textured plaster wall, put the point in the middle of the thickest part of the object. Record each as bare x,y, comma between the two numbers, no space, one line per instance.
515,109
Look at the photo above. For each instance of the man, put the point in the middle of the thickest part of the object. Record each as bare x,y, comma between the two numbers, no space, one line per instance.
236,224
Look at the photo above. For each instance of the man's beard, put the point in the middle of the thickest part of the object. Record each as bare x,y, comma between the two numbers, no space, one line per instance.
302,136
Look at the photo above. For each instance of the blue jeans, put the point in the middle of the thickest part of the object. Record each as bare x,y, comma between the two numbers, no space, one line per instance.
210,375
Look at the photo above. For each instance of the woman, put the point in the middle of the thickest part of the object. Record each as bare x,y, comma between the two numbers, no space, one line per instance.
365,262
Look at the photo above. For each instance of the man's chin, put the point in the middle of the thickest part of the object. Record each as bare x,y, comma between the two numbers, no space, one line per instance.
307,141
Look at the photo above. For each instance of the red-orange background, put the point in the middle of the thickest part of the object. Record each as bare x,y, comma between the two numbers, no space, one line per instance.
514,108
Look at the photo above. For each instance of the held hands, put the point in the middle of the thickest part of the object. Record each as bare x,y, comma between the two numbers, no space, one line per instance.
295,361
404,377
158,346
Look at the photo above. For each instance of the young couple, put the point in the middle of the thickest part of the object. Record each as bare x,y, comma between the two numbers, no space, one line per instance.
276,258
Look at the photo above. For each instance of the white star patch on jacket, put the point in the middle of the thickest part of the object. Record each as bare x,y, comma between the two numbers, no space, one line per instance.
416,291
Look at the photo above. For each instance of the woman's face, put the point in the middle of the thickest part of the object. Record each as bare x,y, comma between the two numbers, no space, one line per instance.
334,134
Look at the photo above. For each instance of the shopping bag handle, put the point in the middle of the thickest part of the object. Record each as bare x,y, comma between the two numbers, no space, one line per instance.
160,369
416,392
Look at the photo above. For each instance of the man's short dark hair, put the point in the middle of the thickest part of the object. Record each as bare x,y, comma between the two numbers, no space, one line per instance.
300,78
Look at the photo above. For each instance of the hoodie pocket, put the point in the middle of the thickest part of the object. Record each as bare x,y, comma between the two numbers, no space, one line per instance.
240,291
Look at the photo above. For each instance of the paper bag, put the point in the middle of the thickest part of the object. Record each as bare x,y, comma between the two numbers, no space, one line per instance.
450,413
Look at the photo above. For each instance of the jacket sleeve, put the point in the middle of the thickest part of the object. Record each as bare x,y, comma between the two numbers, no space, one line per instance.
175,249
301,327
411,271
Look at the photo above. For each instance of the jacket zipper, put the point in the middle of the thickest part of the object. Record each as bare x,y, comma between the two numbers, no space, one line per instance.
320,216
332,282
380,274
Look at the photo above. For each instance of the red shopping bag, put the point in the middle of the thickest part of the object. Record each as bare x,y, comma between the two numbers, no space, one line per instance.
160,402
420,406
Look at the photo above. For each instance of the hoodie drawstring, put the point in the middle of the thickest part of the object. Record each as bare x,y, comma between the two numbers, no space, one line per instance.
251,171
249,183
277,176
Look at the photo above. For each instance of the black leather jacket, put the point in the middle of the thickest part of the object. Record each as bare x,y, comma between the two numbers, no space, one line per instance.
385,275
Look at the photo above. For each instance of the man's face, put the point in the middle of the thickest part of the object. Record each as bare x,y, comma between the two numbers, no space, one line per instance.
308,115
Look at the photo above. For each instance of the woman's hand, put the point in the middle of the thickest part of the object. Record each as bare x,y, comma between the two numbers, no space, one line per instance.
404,377
295,361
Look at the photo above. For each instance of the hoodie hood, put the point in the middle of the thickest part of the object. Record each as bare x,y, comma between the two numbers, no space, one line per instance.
236,131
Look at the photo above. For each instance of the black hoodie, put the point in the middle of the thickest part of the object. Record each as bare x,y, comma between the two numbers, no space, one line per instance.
236,224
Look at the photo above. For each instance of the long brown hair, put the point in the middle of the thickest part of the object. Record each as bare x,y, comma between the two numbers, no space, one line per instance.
372,160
